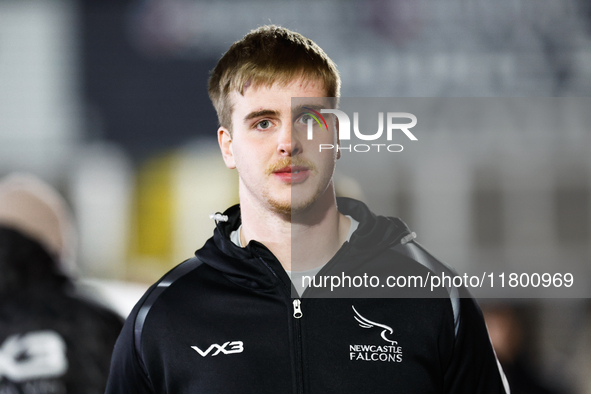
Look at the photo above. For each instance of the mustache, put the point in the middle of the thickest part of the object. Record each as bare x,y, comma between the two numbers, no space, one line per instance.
290,161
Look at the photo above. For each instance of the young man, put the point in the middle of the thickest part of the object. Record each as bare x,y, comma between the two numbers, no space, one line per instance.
226,321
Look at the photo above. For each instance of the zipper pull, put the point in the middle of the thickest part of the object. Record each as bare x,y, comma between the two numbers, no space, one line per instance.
297,309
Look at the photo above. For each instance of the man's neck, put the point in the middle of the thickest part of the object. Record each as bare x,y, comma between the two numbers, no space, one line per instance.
302,241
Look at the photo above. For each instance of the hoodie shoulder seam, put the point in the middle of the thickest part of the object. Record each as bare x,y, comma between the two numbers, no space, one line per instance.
164,283
417,253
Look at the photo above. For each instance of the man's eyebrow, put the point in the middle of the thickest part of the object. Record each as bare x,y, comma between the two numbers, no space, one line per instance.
302,107
263,112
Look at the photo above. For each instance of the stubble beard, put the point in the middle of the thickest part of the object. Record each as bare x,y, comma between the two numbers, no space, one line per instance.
286,208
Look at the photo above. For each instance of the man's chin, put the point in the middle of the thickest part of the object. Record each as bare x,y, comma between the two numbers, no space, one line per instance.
287,208
282,208
297,203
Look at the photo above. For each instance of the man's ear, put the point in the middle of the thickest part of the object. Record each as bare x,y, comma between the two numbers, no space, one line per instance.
225,141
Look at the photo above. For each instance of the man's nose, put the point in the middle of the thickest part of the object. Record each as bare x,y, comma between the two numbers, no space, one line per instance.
288,143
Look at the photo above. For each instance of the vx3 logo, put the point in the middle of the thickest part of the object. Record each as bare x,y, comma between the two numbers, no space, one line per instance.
226,348
34,355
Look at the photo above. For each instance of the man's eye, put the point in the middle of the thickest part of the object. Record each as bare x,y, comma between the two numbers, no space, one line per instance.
264,124
305,118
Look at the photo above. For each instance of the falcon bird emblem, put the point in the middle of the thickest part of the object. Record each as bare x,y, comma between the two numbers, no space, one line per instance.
366,323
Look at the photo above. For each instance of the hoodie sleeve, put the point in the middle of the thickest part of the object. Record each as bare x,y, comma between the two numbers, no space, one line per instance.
473,367
127,374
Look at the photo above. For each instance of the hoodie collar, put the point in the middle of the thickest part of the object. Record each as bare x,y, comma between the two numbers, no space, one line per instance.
255,266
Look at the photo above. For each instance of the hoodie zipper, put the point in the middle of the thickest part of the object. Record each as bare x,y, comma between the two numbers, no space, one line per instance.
297,330
297,314
297,308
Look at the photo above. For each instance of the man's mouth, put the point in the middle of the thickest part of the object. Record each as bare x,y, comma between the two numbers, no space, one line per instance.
292,169
293,174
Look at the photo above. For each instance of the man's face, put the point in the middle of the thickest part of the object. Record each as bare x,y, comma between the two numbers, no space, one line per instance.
279,168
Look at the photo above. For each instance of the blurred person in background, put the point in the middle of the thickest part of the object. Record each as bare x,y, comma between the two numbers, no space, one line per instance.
507,331
52,340
231,320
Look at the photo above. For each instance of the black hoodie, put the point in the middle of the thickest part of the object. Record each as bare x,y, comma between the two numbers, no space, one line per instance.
225,321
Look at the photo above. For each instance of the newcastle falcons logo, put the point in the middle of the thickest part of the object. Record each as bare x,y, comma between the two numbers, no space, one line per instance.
390,352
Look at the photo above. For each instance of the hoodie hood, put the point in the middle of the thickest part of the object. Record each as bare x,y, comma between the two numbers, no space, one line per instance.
256,266
375,233
253,266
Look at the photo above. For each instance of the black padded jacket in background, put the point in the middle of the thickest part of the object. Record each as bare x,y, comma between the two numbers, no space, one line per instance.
51,340
226,322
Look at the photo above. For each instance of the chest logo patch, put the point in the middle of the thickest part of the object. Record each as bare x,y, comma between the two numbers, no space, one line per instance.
32,356
388,351
226,348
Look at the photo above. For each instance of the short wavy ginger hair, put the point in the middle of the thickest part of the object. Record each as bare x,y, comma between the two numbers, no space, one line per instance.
266,56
